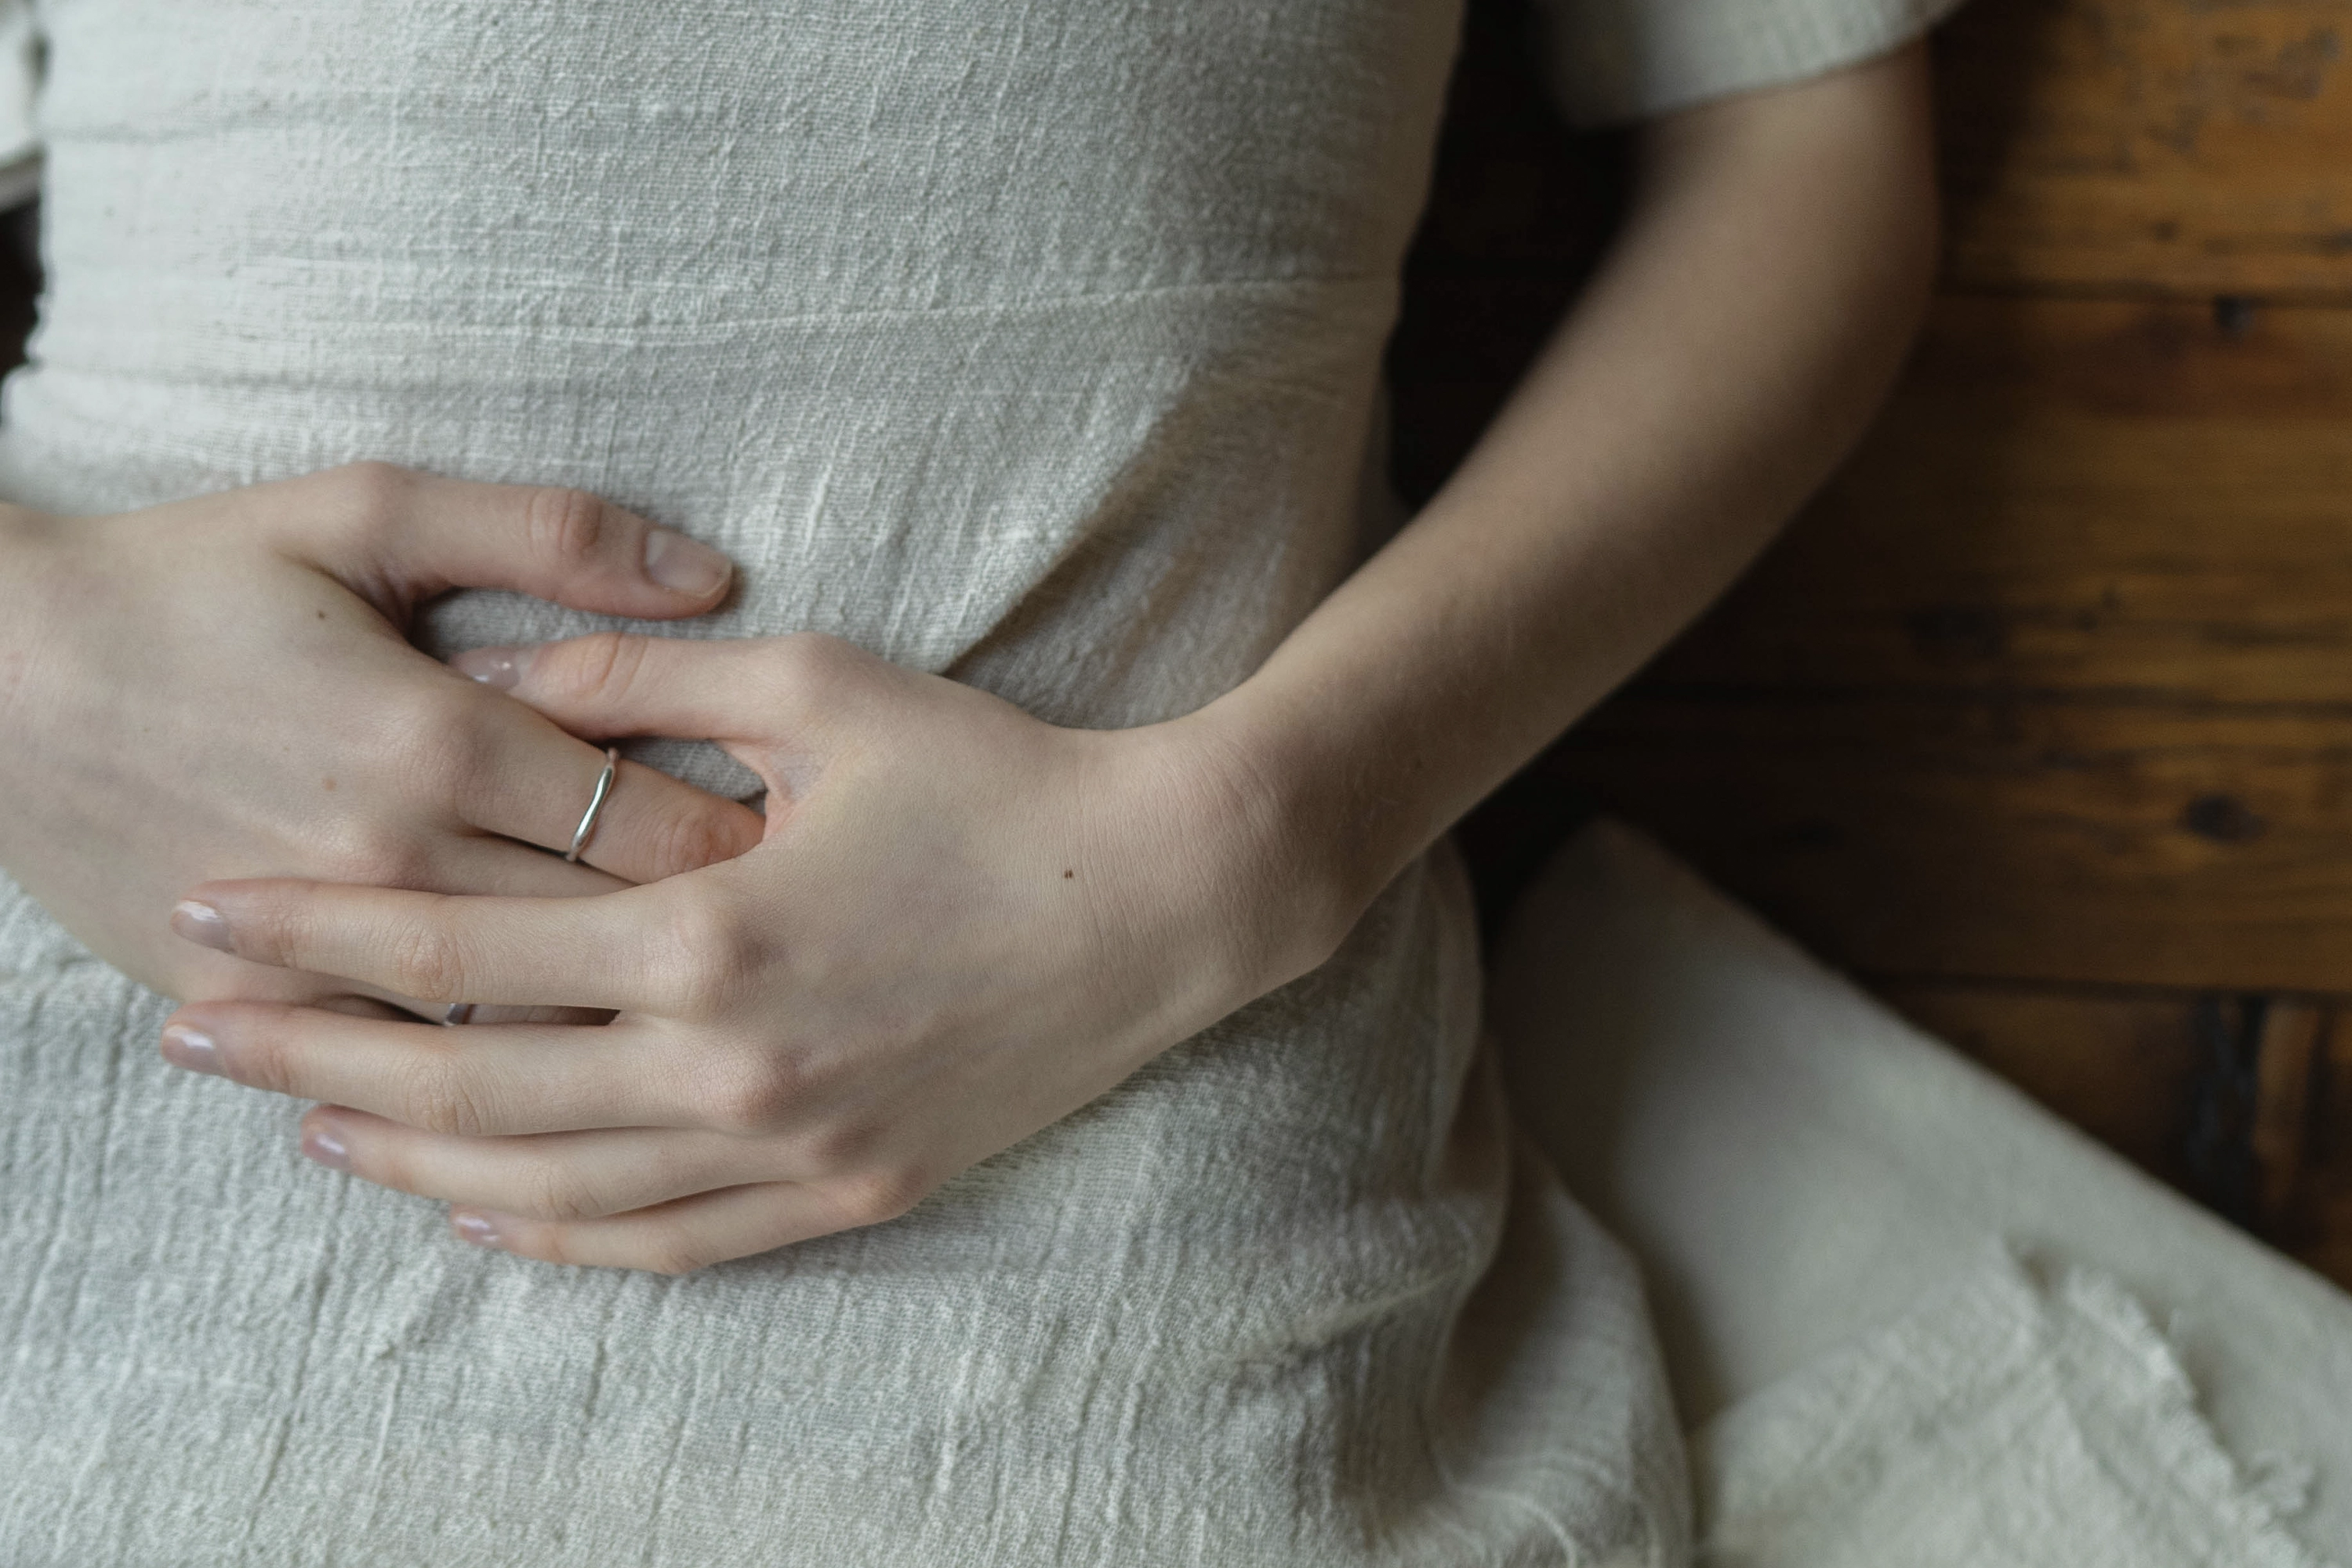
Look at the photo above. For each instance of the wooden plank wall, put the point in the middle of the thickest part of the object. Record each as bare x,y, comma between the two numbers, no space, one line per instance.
2040,721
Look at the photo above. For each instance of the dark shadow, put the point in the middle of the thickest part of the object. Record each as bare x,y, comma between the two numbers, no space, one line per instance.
1985,60
20,280
1521,207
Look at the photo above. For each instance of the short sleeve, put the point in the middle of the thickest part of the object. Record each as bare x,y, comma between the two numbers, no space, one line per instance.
20,81
1623,60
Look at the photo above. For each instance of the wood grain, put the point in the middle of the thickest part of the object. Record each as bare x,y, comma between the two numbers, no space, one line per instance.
2223,1096
1980,837
2054,683
2150,146
2125,1066
2076,497
2216,1094
2288,1079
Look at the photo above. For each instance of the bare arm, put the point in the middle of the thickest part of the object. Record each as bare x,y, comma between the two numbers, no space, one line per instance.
1739,336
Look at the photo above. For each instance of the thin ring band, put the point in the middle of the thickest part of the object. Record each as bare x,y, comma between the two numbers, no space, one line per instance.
463,1011
580,834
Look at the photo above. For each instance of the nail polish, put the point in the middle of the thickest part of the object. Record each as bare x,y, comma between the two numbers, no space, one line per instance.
191,1050
495,667
202,924
321,1143
682,566
477,1227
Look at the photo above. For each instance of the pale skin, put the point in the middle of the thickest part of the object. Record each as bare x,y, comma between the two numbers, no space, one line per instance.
962,923
224,684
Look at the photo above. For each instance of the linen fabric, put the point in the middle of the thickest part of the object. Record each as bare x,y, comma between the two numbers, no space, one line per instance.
20,78
2007,1421
1034,343
1621,60
1826,1203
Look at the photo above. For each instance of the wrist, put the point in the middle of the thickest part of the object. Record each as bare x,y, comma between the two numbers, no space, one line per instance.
1303,859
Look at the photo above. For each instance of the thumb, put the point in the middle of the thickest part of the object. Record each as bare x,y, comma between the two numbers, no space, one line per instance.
403,536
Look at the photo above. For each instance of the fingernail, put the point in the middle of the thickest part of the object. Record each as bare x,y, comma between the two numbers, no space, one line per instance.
477,1227
202,924
191,1049
681,566
498,666
319,1143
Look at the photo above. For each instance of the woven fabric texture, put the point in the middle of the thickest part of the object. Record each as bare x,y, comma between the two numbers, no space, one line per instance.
1831,1209
1621,60
1033,342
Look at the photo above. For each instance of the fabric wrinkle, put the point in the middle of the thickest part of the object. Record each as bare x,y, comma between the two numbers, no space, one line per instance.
1034,345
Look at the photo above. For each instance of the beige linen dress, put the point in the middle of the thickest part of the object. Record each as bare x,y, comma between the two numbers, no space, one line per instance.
1035,343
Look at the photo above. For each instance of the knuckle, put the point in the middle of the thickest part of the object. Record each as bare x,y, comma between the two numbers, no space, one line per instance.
751,1096
383,1163
705,954
675,1254
563,524
879,1195
436,741
699,835
809,664
840,1148
269,1058
553,1189
440,1103
549,1244
427,964
366,856
428,1092
597,664
283,930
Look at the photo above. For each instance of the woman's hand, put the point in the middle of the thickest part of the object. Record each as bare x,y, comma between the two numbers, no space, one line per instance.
963,924
223,686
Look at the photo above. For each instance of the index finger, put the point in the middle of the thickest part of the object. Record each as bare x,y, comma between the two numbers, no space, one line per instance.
611,950
423,534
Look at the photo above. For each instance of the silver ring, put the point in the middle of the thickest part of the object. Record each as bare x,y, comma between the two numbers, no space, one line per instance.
580,834
458,1012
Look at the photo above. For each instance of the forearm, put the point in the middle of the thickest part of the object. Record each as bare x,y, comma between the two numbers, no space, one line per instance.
1745,325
